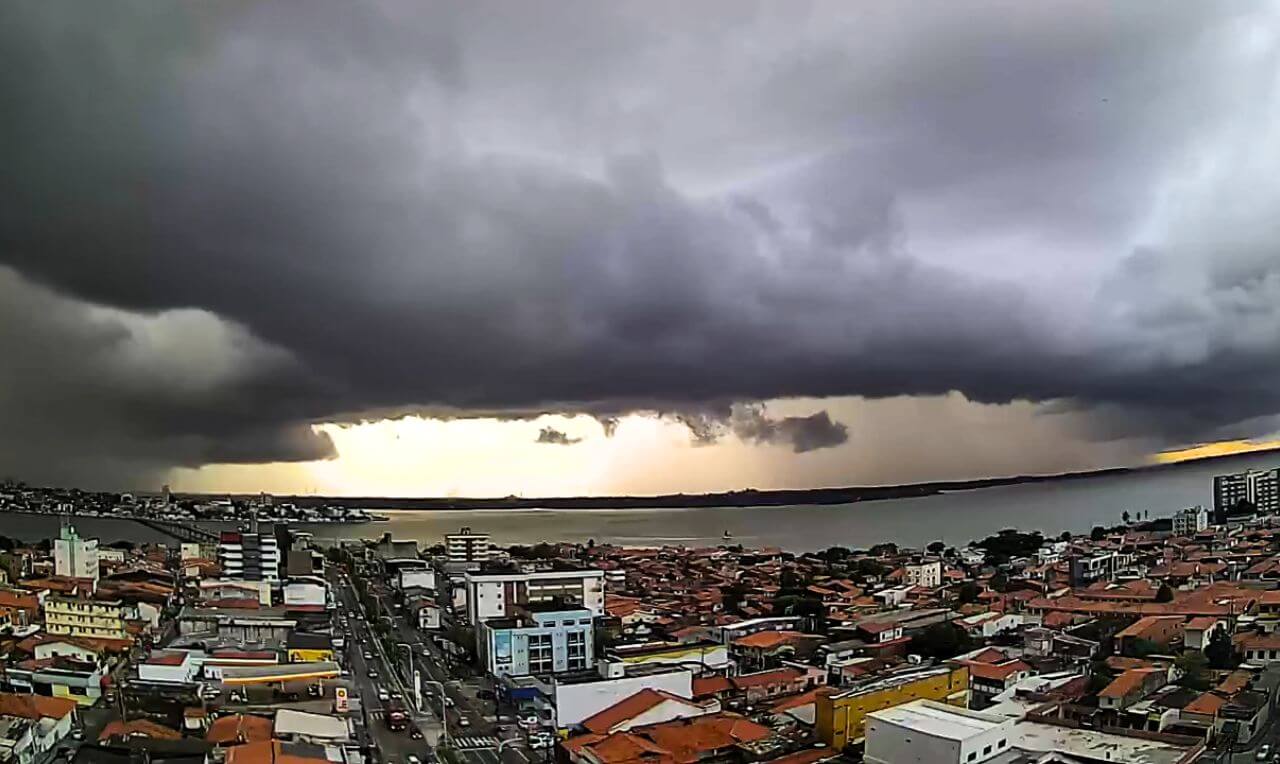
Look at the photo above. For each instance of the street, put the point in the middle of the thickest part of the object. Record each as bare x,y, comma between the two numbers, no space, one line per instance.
470,731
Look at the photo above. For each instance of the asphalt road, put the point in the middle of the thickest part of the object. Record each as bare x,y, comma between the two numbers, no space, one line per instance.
475,739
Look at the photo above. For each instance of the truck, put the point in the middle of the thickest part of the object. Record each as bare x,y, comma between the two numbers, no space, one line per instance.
397,716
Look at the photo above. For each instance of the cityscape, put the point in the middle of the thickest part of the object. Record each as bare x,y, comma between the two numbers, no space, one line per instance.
640,382
1151,640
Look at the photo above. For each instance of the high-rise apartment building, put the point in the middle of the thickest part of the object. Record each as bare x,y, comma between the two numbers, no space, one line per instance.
75,557
1261,488
249,556
466,546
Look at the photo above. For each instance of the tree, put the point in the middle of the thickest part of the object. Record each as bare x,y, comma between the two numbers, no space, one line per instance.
1064,536
1125,516
999,581
879,550
1193,665
969,592
1098,533
1164,593
936,547
942,641
1220,652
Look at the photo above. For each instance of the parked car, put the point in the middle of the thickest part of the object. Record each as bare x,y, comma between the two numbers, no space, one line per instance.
1263,753
411,759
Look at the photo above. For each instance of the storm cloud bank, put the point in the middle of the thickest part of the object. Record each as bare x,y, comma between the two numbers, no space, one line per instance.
222,223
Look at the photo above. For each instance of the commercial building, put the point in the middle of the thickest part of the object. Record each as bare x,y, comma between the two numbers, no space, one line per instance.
497,594
841,715
249,556
540,639
924,731
1190,521
934,732
1261,488
102,619
466,546
75,557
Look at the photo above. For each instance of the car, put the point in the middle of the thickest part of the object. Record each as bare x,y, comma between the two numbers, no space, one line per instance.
539,740
527,722
373,673
368,655
77,734
382,695
411,759
415,733
464,722
448,702
1263,753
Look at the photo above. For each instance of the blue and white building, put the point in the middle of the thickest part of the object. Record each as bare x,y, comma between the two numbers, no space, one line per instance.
539,639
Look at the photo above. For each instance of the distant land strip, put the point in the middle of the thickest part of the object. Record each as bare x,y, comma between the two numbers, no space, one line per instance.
739,498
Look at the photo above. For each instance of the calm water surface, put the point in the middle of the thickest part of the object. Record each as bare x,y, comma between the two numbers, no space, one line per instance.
955,518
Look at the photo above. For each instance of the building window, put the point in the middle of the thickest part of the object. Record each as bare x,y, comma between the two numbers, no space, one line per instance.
986,750
971,756
1000,744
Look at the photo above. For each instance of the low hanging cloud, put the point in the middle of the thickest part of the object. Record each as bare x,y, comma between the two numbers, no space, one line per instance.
554,437
288,214
802,433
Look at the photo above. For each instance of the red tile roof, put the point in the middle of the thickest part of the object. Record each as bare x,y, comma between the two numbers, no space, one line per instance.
35,707
239,728
138,728
768,639
705,686
630,707
764,678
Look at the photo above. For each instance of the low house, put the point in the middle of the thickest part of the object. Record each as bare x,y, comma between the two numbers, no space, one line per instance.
644,708
43,722
1152,632
1130,687
1199,631
684,741
1261,648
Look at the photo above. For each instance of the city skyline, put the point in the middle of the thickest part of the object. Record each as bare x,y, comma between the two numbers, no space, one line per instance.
422,249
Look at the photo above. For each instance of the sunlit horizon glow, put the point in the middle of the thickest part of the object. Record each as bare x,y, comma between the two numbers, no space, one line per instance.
891,441
1220,448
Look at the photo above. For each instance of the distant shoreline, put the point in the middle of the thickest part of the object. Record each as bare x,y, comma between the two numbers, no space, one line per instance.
740,499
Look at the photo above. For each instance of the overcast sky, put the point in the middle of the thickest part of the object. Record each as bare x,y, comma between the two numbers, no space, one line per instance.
633,246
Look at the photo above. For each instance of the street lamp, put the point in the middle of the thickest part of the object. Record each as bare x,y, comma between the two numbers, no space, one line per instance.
444,718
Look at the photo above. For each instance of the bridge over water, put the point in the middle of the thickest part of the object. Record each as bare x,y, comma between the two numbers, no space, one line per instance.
178,530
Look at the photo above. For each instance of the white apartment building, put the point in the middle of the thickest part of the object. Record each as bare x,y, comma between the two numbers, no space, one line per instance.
75,557
465,546
495,594
249,556
1190,521
927,573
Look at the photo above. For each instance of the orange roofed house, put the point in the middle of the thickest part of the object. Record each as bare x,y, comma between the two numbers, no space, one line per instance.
51,718
713,737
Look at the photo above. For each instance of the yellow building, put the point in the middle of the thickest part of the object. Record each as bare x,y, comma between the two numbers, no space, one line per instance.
841,714
85,618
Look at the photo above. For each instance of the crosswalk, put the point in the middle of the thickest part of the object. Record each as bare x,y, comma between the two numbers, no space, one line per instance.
475,741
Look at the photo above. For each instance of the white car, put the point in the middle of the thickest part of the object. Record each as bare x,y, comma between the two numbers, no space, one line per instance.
382,695
411,759
539,740
1263,753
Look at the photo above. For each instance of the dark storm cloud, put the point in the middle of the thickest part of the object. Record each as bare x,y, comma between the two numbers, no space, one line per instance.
554,437
802,433
597,208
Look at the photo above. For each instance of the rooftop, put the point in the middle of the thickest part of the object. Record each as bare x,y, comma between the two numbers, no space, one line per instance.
939,719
